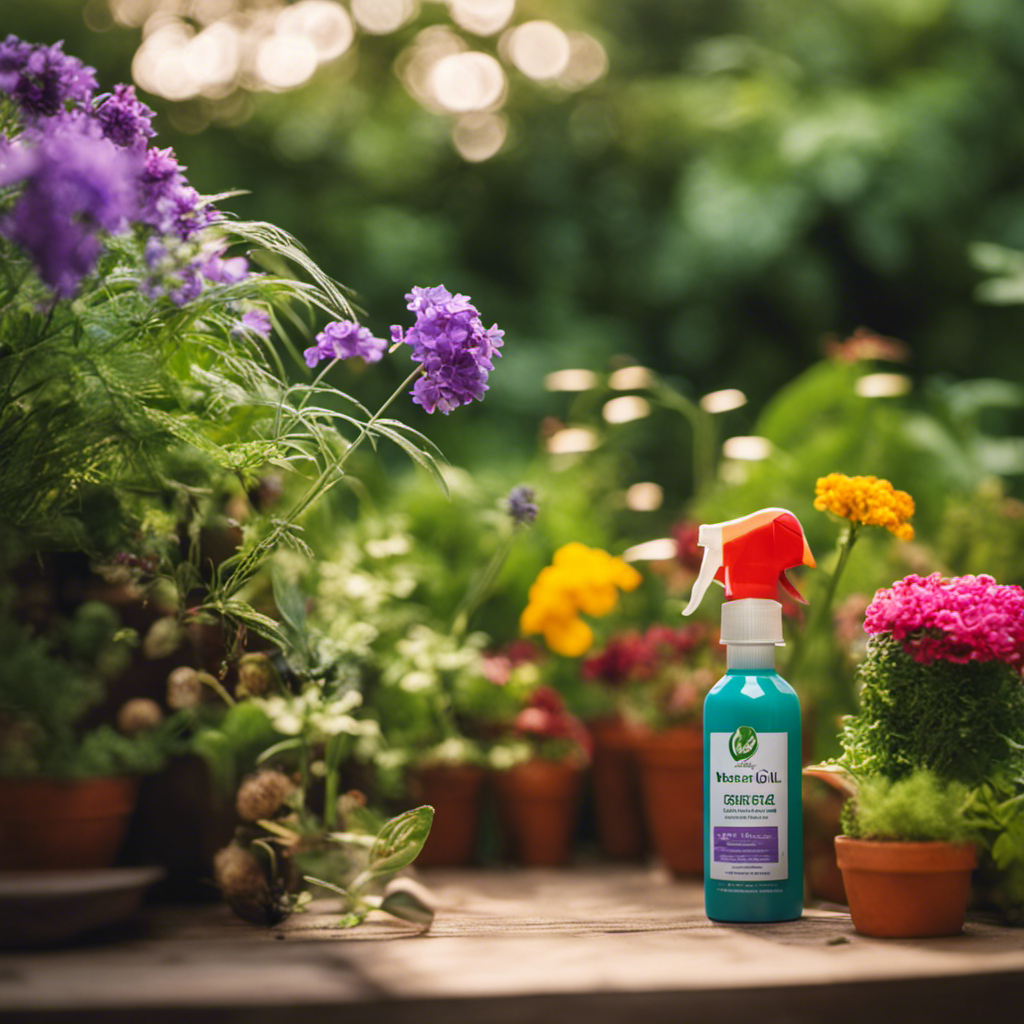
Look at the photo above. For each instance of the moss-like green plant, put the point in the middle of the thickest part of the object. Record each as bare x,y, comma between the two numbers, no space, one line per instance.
917,808
962,721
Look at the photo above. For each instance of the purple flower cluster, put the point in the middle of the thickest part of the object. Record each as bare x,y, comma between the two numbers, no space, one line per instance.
74,184
521,505
344,339
456,351
85,169
125,119
43,79
966,618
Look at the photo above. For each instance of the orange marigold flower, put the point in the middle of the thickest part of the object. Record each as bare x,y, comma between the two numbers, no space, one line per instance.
866,499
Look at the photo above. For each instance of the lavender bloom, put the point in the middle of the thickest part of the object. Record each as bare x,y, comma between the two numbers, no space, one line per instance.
521,505
125,120
175,271
74,186
42,79
169,203
218,270
344,339
254,321
456,351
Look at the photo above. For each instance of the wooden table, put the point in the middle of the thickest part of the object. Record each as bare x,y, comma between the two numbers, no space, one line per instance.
577,946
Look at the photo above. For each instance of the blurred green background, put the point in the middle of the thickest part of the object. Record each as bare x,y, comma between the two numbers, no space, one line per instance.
723,187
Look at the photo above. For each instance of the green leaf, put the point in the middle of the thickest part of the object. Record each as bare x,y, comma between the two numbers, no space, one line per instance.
354,918
399,842
408,901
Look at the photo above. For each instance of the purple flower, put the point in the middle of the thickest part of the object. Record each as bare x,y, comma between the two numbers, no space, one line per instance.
175,270
169,203
254,321
124,119
450,341
521,505
218,270
42,79
344,339
74,186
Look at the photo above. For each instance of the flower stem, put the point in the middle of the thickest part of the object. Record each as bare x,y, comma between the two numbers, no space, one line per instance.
822,610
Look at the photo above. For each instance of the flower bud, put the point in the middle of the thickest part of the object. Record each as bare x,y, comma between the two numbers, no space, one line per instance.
256,675
184,688
162,638
139,715
261,795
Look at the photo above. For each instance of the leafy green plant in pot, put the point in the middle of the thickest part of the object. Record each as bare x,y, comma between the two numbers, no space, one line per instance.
66,790
941,691
907,855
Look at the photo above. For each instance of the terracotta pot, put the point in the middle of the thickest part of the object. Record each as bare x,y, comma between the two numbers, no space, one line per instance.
615,784
906,890
64,824
538,803
455,792
671,773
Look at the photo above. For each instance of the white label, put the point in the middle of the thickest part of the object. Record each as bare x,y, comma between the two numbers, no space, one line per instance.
748,818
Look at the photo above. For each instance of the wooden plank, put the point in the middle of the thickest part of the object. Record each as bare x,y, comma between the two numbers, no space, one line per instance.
555,946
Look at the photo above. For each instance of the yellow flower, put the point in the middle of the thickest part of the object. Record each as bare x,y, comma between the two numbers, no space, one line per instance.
866,499
579,579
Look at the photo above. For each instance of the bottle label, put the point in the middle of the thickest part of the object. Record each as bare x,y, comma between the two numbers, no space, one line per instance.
748,816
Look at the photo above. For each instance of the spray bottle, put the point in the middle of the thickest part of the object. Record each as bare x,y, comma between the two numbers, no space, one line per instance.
753,815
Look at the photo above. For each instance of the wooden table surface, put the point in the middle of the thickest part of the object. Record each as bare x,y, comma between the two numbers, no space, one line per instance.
545,946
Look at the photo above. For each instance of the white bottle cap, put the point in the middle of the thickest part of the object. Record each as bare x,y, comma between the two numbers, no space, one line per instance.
752,620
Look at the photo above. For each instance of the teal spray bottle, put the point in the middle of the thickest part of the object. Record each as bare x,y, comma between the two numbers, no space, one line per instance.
753,812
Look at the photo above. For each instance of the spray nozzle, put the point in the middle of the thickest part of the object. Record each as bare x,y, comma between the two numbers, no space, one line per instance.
750,556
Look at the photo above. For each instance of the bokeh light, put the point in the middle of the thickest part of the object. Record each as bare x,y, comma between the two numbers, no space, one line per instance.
626,408
646,496
482,17
539,49
478,137
723,401
378,17
747,448
575,379
324,24
462,82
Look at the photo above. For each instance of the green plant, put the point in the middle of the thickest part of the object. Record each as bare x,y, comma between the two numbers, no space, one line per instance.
917,808
48,683
965,722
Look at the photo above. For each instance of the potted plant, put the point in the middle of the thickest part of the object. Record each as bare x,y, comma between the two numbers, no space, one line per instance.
539,779
941,690
137,377
67,789
907,856
647,754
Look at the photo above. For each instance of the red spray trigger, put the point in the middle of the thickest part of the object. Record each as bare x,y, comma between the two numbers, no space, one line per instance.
750,556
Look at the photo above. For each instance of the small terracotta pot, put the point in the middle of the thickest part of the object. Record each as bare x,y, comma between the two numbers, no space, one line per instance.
906,890
538,803
64,824
455,792
671,772
615,784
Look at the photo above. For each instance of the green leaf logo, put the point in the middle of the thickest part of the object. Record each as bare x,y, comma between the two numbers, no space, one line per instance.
743,743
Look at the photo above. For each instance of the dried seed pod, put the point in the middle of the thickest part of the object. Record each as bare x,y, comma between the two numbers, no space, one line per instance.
139,715
261,795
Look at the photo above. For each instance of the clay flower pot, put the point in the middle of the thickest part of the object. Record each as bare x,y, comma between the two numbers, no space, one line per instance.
64,824
538,803
671,773
455,792
615,785
906,890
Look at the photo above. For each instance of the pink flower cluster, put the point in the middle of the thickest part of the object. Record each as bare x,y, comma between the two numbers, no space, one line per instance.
967,618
